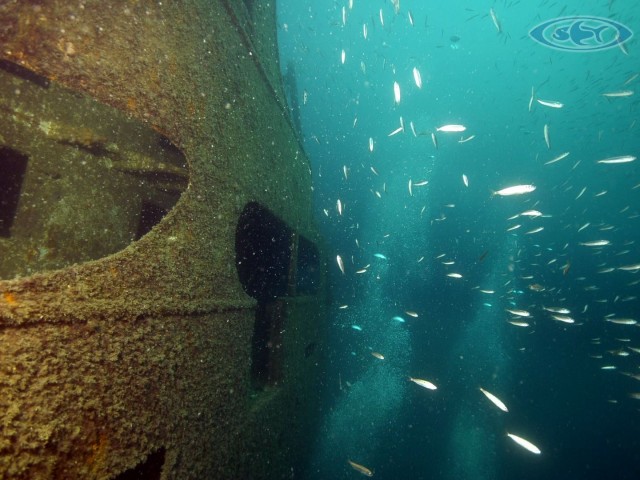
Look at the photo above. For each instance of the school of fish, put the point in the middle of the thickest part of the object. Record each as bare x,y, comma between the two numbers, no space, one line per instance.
545,303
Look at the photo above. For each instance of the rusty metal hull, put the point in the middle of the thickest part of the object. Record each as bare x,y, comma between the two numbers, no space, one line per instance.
138,355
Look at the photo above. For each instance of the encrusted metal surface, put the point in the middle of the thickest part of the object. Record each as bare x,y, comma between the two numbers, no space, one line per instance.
147,348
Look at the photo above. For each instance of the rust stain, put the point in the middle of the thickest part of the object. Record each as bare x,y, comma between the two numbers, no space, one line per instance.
98,451
9,297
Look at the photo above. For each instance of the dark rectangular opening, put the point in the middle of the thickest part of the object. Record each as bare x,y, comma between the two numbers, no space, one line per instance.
273,262
263,253
266,355
13,166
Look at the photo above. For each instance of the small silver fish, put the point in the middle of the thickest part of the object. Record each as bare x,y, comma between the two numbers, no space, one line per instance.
622,93
451,128
621,159
396,131
550,103
526,444
417,77
515,190
546,135
494,19
558,158
595,243
495,400
423,383
622,321
360,469
396,92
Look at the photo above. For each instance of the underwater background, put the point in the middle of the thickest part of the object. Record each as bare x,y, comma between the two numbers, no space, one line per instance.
435,263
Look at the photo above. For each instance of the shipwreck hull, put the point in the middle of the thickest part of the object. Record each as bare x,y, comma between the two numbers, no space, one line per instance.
163,300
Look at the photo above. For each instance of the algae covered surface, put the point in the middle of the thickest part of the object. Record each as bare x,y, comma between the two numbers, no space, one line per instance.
143,350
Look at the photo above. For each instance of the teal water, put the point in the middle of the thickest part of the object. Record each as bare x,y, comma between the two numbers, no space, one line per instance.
568,386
